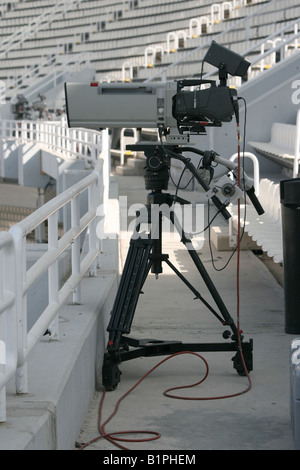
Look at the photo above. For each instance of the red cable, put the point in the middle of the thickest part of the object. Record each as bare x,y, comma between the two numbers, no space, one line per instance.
110,436
156,435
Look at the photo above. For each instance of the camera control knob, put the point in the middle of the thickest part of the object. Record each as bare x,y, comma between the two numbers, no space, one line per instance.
226,334
228,190
154,162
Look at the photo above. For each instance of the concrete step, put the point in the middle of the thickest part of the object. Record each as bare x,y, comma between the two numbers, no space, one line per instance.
138,163
135,166
222,242
11,215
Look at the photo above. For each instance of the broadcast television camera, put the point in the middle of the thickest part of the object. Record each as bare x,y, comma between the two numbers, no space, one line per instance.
178,110
168,106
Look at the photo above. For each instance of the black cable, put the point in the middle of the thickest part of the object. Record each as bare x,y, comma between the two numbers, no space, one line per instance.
171,153
175,155
192,177
202,68
209,223
210,248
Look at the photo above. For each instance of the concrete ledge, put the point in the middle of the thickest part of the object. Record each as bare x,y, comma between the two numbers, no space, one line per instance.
135,166
63,375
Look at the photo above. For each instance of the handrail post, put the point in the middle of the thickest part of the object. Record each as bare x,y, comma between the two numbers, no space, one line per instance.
105,155
93,245
21,308
75,221
93,147
8,321
53,272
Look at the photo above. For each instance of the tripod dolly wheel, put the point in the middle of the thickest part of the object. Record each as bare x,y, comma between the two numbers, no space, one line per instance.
111,374
240,363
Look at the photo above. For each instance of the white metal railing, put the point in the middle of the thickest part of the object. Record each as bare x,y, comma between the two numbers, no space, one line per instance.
8,317
56,137
16,340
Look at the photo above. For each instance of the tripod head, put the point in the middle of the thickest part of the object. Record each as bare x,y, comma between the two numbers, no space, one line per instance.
157,171
157,167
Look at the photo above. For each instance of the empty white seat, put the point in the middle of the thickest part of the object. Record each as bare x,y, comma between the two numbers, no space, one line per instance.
266,229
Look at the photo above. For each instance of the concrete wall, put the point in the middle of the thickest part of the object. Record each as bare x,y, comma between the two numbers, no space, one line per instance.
9,157
36,299
63,375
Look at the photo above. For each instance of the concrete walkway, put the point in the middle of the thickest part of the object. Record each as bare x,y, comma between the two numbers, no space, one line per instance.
256,420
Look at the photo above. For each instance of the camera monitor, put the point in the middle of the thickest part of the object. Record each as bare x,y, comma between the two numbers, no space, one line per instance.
218,56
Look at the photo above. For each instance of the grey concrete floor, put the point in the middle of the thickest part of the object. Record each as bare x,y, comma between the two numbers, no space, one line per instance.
256,420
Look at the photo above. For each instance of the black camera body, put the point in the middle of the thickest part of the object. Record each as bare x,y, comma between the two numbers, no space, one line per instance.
213,104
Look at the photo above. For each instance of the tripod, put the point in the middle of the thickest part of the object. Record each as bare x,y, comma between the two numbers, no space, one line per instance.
145,254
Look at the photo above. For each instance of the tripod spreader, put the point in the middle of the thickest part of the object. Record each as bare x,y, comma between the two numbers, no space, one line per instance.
134,348
145,254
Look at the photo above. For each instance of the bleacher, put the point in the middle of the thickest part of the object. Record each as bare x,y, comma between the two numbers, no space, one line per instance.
135,39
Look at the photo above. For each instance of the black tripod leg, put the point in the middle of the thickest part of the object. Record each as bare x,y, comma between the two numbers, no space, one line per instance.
197,294
137,266
136,269
206,278
246,348
212,289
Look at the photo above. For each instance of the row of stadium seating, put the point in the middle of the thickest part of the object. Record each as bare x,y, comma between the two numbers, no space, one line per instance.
119,33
